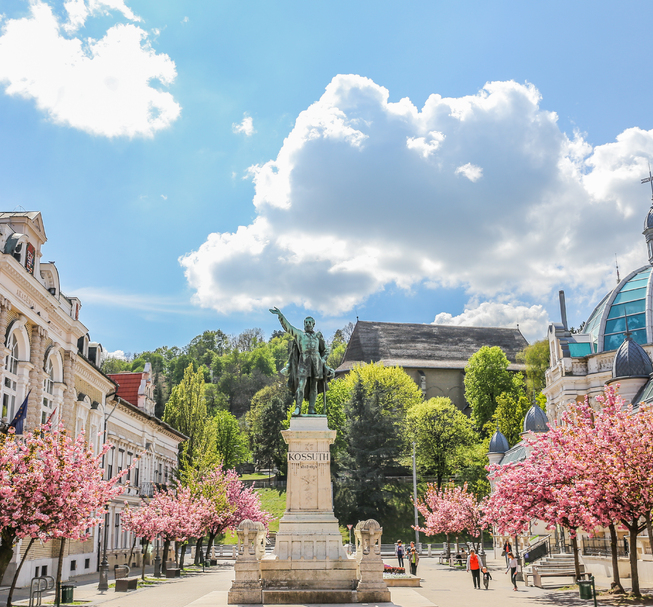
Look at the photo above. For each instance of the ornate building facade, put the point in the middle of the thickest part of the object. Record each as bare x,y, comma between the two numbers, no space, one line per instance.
48,359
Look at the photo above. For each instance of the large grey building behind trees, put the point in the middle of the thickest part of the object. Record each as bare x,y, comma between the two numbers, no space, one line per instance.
435,356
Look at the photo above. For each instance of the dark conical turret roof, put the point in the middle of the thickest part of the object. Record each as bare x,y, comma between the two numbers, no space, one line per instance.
498,443
536,420
631,360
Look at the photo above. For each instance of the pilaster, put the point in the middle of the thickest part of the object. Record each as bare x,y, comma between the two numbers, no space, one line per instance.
5,307
36,377
68,408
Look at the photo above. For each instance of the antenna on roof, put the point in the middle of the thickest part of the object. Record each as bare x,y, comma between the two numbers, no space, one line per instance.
19,208
616,263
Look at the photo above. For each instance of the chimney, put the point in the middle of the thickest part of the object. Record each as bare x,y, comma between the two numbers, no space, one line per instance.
563,309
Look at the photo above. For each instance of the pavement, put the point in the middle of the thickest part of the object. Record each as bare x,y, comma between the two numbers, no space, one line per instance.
441,587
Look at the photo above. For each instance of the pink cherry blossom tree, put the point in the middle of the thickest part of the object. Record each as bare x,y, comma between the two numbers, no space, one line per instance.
450,510
241,503
52,487
143,522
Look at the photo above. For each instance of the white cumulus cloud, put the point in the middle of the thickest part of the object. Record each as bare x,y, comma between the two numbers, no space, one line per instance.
110,87
471,171
119,354
532,320
246,126
348,208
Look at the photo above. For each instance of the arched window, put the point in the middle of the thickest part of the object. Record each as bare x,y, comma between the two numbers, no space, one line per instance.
10,381
48,393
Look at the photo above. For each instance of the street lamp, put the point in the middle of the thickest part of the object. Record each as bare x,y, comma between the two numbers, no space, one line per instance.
104,566
157,560
415,497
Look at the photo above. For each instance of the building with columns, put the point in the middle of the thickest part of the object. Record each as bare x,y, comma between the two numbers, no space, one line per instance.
47,357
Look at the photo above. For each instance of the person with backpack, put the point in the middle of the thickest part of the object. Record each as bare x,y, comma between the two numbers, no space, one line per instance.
413,559
399,551
474,565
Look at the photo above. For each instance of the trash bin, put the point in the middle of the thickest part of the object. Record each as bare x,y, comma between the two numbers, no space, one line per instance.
585,589
67,592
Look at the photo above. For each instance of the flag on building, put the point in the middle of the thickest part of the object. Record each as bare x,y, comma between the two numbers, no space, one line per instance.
19,418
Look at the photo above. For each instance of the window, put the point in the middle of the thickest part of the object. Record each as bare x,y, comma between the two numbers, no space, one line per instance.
121,459
44,570
130,457
628,313
73,565
11,378
87,563
110,463
136,479
48,390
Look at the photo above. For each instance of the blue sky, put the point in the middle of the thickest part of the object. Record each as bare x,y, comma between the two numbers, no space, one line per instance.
476,207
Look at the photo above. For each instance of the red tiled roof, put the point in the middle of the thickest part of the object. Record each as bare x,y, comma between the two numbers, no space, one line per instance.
128,384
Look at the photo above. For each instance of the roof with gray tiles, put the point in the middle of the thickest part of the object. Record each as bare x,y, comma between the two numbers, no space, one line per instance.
427,346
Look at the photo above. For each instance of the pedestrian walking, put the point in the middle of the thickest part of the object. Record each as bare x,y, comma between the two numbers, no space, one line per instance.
513,564
486,577
399,551
413,559
474,566
507,549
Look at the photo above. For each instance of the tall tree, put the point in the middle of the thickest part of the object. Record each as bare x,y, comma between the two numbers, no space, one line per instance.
536,356
186,411
265,420
509,416
486,378
439,429
372,437
231,442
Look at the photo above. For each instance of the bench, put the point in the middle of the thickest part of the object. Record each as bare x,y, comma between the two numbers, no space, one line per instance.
124,584
173,572
537,576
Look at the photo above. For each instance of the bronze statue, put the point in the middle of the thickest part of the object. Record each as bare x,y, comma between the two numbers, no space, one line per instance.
307,370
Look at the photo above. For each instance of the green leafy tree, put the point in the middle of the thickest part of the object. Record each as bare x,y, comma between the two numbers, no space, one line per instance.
265,421
486,378
509,416
469,464
115,365
439,430
231,442
372,437
536,356
186,411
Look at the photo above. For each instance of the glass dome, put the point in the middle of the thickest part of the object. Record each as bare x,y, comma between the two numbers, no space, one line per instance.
622,309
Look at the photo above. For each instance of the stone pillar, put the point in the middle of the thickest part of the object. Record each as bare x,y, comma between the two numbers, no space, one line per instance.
246,587
36,377
371,586
68,407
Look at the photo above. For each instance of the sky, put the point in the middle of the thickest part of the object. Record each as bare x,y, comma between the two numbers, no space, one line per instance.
197,163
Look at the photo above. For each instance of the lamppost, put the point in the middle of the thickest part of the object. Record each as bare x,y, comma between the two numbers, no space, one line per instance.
157,560
415,498
104,566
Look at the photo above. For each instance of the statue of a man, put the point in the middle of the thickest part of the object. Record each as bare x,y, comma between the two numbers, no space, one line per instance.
307,370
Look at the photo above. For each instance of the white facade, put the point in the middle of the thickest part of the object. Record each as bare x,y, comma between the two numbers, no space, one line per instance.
45,351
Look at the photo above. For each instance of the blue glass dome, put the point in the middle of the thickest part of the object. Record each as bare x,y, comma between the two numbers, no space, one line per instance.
622,309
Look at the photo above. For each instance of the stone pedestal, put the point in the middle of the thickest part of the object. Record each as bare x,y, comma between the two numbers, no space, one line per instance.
309,560
309,563
246,587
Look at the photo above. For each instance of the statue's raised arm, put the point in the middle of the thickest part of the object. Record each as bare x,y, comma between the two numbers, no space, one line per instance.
285,324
